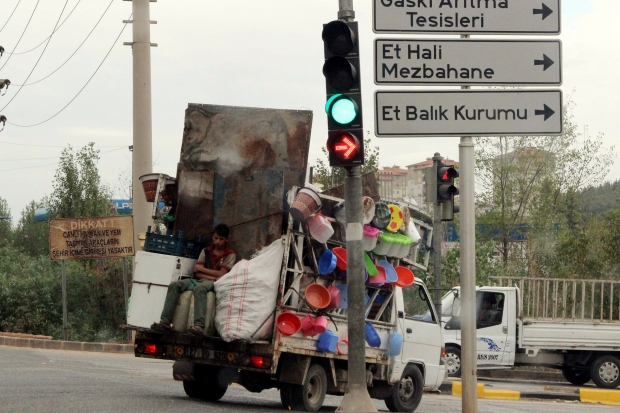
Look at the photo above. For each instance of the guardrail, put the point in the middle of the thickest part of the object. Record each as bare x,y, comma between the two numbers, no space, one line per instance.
577,300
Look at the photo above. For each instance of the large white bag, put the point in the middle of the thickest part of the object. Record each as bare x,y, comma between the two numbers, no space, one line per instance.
246,295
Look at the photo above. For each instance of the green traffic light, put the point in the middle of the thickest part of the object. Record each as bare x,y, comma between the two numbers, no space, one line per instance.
341,109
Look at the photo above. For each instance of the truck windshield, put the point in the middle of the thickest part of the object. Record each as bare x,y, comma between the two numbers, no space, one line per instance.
450,305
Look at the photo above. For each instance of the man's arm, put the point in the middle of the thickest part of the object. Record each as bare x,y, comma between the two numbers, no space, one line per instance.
203,273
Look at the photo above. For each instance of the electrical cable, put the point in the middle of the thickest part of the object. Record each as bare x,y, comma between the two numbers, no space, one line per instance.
53,146
83,87
20,37
10,15
59,26
50,164
39,59
76,50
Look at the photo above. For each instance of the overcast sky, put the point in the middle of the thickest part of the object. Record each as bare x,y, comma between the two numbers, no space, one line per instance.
233,52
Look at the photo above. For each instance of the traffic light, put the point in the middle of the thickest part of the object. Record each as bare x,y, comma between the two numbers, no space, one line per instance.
446,191
345,142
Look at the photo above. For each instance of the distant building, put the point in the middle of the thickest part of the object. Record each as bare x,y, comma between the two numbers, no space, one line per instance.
392,183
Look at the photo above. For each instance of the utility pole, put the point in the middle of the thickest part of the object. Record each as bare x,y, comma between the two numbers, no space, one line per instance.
142,155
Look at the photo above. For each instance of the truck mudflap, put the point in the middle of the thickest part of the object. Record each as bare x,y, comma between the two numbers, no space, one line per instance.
252,356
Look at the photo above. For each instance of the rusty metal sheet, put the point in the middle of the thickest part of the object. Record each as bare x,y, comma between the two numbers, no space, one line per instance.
239,143
193,212
251,207
230,139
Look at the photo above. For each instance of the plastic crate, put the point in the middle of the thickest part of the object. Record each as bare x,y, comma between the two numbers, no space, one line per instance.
170,245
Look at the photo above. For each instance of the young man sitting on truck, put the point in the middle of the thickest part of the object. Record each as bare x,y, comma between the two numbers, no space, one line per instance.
212,264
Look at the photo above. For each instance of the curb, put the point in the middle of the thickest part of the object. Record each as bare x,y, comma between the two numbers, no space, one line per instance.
454,388
602,396
66,345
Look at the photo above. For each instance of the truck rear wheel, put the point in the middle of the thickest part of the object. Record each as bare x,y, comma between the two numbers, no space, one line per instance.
576,376
605,372
310,395
207,385
453,361
407,393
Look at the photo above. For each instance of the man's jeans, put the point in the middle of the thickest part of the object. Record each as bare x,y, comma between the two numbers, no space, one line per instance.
200,288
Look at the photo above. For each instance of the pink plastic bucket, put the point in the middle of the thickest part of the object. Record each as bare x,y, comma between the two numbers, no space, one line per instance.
334,293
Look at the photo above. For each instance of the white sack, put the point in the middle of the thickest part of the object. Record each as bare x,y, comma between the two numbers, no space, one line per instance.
246,295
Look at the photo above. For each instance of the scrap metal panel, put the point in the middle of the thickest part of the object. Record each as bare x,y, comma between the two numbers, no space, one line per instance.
239,142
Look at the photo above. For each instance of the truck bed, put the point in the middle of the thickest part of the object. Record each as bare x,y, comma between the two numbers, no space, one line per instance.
567,335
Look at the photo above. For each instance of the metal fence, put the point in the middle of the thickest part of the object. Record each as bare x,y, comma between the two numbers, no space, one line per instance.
575,300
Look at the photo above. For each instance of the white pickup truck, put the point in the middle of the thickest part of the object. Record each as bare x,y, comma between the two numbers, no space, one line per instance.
571,325
293,363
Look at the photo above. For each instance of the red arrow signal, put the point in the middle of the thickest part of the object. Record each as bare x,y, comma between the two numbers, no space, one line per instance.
346,147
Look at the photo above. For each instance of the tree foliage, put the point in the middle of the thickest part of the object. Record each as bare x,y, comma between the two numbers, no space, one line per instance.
78,191
534,183
5,223
32,237
330,177
30,283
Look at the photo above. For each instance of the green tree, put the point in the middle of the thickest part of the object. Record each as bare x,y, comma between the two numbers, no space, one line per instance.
32,237
78,191
6,233
330,177
536,181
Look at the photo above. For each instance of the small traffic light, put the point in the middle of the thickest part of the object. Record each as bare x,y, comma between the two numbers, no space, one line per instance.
345,142
446,190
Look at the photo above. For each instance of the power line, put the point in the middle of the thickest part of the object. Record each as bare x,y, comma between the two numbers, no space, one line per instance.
59,26
20,37
10,15
39,59
51,164
52,146
83,87
76,50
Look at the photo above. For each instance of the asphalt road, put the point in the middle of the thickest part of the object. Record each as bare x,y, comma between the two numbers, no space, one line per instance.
54,381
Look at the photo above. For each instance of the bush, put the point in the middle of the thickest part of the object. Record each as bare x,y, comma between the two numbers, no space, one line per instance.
31,297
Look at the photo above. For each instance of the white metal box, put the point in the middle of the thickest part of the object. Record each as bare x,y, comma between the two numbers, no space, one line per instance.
154,272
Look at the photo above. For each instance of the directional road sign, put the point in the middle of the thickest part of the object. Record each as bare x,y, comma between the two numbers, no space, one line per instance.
468,113
468,62
467,16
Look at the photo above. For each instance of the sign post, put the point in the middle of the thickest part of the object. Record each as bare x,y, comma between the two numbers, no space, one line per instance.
88,238
468,113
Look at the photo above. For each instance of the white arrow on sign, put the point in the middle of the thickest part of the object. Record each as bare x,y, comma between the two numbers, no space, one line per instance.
467,16
468,62
468,113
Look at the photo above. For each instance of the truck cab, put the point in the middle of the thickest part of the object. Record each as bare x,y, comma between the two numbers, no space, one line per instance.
422,336
495,328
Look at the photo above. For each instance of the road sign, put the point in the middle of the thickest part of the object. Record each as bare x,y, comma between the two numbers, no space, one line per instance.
87,238
467,16
468,113
468,62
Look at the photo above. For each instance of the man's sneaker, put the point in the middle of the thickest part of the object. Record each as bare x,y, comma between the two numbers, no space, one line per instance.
161,326
196,330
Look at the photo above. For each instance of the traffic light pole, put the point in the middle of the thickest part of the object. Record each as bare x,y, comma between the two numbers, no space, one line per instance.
356,398
436,240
